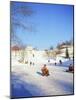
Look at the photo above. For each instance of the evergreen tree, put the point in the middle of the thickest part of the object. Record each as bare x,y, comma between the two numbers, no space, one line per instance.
67,53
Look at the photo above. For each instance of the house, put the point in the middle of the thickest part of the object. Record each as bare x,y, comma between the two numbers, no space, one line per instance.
63,50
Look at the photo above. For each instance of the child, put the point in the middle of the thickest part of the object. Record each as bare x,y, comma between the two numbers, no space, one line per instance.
45,71
60,61
55,63
30,63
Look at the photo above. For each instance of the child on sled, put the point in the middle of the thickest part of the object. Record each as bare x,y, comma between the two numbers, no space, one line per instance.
45,71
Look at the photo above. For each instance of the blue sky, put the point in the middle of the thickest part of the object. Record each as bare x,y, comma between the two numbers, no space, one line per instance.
51,24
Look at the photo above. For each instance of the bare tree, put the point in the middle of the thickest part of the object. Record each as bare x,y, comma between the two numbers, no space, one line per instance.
19,10
51,48
16,23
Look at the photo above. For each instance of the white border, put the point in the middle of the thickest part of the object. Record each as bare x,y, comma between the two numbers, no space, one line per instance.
5,45
50,1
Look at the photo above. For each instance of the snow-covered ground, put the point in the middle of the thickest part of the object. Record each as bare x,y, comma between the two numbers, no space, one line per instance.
27,81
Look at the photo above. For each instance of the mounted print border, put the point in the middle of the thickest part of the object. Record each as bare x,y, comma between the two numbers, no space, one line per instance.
41,49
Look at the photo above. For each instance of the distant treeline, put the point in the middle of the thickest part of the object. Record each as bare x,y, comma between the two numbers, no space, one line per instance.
68,43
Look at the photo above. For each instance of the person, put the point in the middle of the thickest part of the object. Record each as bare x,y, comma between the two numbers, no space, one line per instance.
48,60
71,68
45,71
60,61
55,63
30,63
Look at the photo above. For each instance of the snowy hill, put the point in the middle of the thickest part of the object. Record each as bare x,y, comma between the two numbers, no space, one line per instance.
27,81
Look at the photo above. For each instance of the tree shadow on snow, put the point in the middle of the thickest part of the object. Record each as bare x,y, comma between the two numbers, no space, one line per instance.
20,88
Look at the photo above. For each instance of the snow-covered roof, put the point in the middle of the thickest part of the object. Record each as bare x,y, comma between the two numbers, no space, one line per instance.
29,48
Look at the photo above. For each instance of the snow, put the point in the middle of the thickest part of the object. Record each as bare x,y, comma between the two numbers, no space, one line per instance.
65,61
27,81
